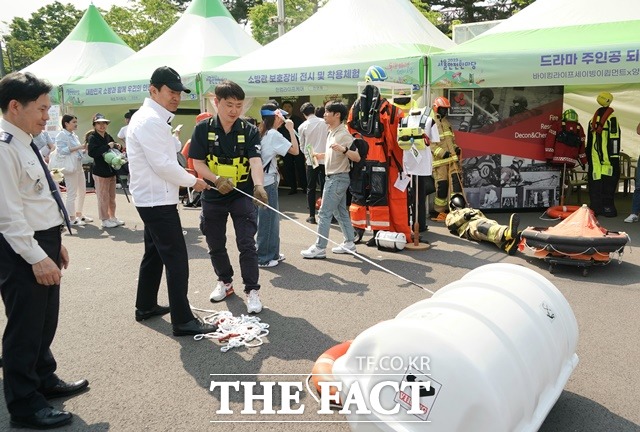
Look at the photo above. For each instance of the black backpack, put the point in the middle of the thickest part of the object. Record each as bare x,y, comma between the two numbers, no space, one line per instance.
362,146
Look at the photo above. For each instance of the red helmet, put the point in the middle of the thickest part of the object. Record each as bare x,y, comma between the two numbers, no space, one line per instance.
441,102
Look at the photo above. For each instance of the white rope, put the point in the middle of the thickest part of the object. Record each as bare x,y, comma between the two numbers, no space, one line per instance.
337,244
244,330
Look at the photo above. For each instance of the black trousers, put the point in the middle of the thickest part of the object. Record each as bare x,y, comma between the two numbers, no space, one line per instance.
213,224
315,177
32,320
164,248
295,171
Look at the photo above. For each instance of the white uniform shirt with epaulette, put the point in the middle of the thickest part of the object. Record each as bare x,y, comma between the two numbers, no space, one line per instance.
26,203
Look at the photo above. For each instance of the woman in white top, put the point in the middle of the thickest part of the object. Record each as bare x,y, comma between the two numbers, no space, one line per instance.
68,145
272,144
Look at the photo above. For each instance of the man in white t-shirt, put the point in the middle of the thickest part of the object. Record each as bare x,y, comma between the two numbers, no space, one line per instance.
313,139
122,135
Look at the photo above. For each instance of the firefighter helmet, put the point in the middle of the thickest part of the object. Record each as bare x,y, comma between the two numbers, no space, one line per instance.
375,73
570,115
488,93
441,102
605,99
457,202
520,101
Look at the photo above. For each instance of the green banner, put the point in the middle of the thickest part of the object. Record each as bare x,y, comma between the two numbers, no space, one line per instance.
319,80
616,64
129,92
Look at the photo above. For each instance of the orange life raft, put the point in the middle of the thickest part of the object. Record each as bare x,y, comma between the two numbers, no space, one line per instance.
579,237
323,368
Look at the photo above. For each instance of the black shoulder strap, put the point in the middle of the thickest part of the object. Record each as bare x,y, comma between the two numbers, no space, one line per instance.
212,144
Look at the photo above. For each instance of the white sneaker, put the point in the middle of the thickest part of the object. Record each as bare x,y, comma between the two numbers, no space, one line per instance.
270,264
108,223
314,252
78,222
221,291
632,218
117,221
254,305
281,257
344,247
85,218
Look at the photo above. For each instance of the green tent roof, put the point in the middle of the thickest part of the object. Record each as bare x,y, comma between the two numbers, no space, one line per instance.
208,9
93,28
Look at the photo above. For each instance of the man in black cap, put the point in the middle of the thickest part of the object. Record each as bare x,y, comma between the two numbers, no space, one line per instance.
156,178
31,258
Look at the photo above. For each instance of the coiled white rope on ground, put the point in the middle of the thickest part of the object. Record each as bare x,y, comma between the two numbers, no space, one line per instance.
234,332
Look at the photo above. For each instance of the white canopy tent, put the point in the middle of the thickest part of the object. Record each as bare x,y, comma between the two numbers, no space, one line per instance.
205,36
331,51
91,47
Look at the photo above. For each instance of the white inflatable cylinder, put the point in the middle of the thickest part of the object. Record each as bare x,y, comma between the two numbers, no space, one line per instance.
497,347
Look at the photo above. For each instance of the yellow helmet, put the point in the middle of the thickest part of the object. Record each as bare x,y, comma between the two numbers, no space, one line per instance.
570,115
605,99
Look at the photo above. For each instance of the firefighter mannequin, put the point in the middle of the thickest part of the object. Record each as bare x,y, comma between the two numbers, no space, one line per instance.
376,119
415,134
472,224
603,154
446,167
565,141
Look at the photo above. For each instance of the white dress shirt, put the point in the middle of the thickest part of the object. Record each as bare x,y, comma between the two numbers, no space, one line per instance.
155,173
26,203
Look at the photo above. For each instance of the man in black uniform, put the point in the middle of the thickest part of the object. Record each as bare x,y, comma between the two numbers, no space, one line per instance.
31,258
226,152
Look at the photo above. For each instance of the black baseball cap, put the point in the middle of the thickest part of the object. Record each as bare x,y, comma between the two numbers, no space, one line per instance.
164,75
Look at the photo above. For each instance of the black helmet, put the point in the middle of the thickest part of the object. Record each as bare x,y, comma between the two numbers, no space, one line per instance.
457,202
488,93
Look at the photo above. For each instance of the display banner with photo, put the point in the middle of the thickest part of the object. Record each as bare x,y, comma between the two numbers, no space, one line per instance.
501,132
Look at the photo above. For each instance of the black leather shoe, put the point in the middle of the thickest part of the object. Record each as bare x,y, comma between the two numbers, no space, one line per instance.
142,315
194,327
46,418
63,389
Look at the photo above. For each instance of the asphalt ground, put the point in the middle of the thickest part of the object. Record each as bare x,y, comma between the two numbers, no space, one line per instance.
144,379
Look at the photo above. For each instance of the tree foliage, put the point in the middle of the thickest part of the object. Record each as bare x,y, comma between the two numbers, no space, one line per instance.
30,39
425,9
469,11
263,17
240,8
142,22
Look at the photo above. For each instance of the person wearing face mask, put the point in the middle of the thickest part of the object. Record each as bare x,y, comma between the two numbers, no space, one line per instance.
446,165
